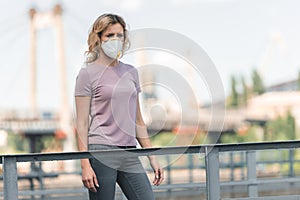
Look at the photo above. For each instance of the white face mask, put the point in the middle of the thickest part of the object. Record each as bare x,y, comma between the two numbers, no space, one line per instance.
112,48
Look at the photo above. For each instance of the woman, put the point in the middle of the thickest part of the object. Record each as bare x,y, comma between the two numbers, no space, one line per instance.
109,117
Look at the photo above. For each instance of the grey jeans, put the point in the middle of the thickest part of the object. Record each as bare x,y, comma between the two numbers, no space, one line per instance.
128,172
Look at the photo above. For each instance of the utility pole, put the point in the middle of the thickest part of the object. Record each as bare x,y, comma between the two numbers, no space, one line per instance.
65,112
32,63
53,19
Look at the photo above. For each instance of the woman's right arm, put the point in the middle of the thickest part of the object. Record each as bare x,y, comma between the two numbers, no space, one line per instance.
89,178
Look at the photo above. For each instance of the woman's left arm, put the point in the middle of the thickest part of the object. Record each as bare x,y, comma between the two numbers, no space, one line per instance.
143,138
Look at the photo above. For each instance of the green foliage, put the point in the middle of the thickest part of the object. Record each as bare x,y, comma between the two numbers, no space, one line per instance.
250,136
53,143
291,126
299,80
245,93
163,139
258,85
236,98
282,128
233,99
172,139
17,143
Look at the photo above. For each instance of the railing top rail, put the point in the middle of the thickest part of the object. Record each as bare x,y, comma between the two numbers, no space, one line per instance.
154,151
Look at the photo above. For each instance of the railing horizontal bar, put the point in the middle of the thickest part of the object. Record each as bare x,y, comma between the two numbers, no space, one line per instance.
261,181
155,151
105,153
196,185
292,197
53,191
289,144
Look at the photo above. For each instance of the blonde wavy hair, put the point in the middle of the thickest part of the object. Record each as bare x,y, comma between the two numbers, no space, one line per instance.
98,27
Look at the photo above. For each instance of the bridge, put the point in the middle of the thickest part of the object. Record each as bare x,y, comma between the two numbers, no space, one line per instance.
49,122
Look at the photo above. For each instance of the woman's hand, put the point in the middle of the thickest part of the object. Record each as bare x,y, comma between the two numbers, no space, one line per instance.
143,138
89,179
158,171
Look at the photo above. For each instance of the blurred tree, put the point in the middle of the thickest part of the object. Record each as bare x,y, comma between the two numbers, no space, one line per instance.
291,127
299,80
245,91
282,128
233,100
258,85
234,137
17,143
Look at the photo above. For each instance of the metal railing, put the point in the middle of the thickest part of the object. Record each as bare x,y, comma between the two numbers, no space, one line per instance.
210,152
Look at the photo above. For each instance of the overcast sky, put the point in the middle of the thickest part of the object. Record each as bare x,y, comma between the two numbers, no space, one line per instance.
238,36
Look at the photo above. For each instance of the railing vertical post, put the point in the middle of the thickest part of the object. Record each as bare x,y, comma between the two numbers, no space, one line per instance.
251,173
291,163
212,173
169,177
191,167
10,178
231,164
242,155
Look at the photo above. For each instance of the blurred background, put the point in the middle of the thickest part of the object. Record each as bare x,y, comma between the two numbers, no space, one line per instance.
254,45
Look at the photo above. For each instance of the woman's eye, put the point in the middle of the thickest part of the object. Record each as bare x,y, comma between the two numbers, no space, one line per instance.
120,35
110,35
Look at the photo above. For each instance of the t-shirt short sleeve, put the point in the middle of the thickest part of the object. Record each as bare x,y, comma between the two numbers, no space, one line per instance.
83,84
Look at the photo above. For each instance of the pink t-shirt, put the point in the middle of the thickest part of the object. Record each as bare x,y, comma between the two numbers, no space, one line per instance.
114,92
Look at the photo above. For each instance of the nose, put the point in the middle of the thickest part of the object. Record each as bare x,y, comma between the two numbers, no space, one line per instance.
115,37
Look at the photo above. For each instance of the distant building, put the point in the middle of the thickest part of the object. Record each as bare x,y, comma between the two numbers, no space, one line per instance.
270,105
276,101
292,85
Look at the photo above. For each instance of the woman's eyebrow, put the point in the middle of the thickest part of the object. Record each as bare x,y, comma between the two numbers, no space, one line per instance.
114,33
